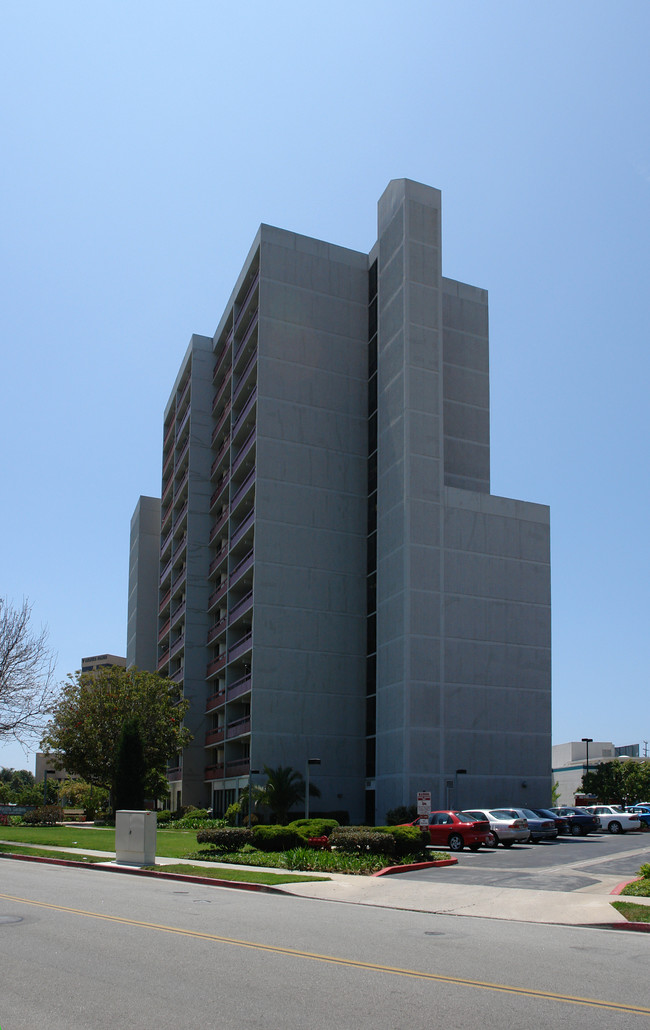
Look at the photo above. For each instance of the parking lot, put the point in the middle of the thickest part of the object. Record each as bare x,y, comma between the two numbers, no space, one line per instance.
597,862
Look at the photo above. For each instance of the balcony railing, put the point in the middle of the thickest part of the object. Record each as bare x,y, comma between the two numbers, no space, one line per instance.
218,594
168,432
220,453
244,449
242,566
250,364
214,772
217,560
216,629
178,611
243,528
238,767
164,600
163,632
239,726
241,647
214,736
244,411
179,578
219,524
165,572
215,701
243,489
222,483
219,426
241,607
249,292
183,422
181,515
163,659
175,774
247,335
222,357
220,391
177,646
177,676
163,546
239,687
216,665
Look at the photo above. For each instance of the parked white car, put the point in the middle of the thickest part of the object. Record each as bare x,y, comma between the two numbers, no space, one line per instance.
614,818
505,829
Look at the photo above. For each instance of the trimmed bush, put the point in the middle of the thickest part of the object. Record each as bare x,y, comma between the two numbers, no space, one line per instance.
277,838
360,839
226,838
408,839
163,817
313,827
44,816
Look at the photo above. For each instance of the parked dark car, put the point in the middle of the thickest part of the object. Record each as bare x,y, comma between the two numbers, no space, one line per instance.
456,830
562,823
580,822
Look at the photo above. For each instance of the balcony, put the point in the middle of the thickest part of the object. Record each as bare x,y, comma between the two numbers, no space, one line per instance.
175,774
165,572
239,726
163,632
238,767
243,528
241,415
249,293
178,611
165,543
222,484
184,421
214,772
243,490
164,601
163,659
244,450
218,594
177,676
213,737
241,647
222,357
185,392
245,376
216,629
181,515
180,578
220,453
216,665
168,432
177,645
217,560
239,687
241,607
219,524
242,567
220,392
220,423
185,448
167,489
215,701
247,335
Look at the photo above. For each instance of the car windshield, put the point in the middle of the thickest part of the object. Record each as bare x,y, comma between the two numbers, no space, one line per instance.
466,817
528,812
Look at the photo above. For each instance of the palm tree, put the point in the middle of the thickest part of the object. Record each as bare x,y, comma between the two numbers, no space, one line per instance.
284,788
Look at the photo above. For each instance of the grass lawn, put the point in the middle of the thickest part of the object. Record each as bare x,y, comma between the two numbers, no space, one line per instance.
633,913
246,875
169,843
16,849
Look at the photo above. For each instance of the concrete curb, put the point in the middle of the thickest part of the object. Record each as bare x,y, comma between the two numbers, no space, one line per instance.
619,886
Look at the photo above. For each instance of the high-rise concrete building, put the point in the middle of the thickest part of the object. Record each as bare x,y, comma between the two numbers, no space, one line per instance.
337,581
144,573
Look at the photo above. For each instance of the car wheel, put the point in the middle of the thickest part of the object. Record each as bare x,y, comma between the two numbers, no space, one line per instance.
576,830
456,842
507,843
615,827
492,840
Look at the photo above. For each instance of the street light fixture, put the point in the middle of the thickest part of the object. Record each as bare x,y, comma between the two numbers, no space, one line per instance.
587,741
310,761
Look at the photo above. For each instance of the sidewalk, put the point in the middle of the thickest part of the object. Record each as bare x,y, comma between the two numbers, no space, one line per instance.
573,908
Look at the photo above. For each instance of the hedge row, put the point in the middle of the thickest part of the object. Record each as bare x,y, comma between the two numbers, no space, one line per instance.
378,840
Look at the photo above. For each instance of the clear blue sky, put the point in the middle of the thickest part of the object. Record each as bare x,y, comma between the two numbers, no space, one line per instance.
142,145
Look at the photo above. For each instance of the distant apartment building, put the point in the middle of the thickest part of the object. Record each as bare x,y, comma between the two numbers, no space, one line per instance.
336,580
144,572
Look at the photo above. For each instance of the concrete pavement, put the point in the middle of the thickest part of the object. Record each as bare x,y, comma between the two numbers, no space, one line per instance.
590,907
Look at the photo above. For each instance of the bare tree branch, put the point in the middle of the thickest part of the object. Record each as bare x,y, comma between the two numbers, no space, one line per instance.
27,666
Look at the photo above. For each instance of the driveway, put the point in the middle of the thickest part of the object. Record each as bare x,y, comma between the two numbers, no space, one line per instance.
595,863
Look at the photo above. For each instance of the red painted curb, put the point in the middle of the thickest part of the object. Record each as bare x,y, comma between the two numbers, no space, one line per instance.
619,886
389,869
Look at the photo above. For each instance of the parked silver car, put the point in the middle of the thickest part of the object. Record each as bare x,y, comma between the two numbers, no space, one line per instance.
504,829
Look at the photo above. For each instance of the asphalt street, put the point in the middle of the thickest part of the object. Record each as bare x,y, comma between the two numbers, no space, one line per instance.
93,951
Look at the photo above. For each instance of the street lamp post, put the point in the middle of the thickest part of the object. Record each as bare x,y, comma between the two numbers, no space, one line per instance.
310,761
587,741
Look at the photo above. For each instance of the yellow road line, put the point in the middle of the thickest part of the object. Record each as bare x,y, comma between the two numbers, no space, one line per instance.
346,962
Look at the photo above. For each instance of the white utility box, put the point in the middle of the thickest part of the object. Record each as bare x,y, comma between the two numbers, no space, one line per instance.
135,838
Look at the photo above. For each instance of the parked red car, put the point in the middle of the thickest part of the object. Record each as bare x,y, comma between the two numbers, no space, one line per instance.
455,830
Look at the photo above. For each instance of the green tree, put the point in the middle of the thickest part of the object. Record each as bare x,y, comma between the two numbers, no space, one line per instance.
79,794
130,768
83,733
618,783
284,788
555,794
